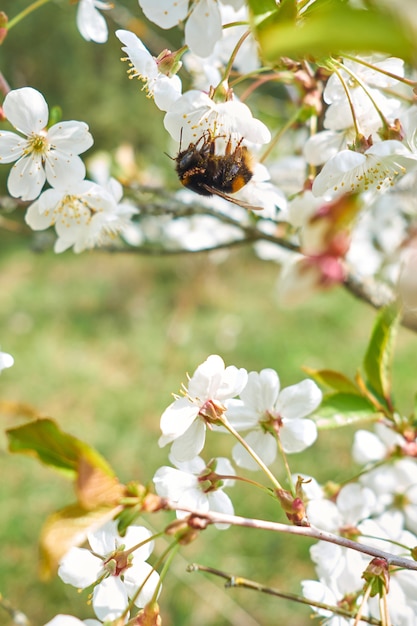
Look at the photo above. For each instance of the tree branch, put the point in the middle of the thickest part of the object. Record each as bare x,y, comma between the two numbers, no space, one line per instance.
153,202
211,517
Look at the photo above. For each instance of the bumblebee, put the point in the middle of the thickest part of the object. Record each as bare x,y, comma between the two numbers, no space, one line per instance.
203,171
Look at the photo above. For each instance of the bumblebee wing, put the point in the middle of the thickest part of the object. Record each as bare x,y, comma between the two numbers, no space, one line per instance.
241,203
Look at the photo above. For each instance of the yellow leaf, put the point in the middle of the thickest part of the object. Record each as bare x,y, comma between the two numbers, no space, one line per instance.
67,528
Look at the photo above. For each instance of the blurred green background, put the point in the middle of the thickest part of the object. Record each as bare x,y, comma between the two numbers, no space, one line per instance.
101,341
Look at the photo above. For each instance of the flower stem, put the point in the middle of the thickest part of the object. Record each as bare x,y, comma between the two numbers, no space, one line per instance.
366,595
401,79
252,453
144,542
20,16
245,480
286,465
363,86
279,134
233,56
169,553
349,99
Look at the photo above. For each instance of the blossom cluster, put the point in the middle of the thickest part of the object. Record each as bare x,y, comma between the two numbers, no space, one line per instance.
379,510
337,198
223,398
365,150
357,143
216,398
84,213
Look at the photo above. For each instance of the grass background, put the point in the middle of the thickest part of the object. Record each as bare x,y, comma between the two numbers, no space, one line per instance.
101,341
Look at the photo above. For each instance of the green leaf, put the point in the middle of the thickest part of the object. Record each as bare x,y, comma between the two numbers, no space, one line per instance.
44,440
377,362
262,7
287,10
332,379
334,27
343,409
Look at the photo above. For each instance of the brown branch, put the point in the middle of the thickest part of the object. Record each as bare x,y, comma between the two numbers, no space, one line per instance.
153,202
211,517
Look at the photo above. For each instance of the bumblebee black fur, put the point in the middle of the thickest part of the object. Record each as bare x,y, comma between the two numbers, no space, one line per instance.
203,171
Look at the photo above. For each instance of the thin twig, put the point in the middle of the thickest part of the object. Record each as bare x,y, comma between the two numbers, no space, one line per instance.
238,581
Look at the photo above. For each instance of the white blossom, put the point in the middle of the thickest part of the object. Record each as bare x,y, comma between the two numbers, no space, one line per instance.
162,88
84,214
370,447
116,576
195,486
203,27
195,113
365,85
353,504
395,487
267,411
6,360
42,154
376,169
184,421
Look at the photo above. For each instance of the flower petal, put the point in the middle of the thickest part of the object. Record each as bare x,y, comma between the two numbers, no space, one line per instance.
221,503
299,400
165,13
63,169
37,220
135,577
166,91
190,443
233,382
12,146
171,483
133,537
261,390
66,620
72,137
110,599
193,499
26,178
241,416
207,378
26,109
203,28
176,419
297,434
104,539
91,23
80,568
6,360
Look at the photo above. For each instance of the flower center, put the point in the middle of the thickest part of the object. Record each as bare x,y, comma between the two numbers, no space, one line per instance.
271,422
118,562
211,411
38,143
